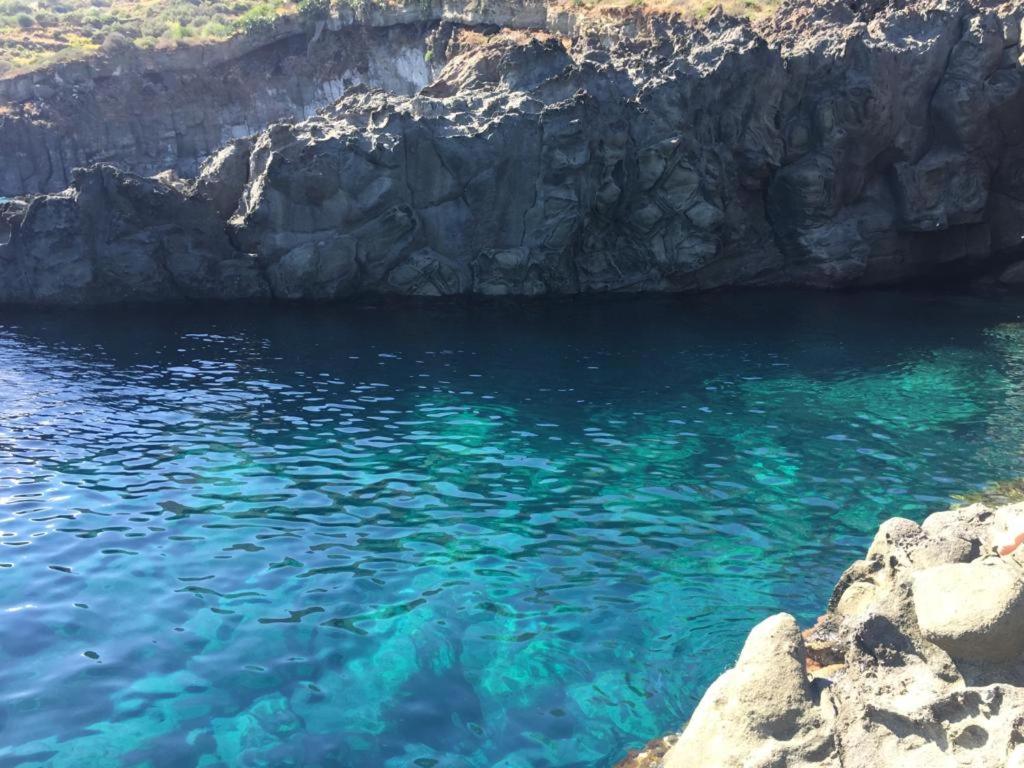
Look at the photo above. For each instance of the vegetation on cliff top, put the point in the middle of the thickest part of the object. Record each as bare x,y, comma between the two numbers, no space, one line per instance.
38,32
35,33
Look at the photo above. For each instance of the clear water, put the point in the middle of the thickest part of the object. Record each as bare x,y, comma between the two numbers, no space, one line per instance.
478,535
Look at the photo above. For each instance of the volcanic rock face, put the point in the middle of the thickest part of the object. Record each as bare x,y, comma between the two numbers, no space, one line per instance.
923,664
170,110
827,147
100,244
152,111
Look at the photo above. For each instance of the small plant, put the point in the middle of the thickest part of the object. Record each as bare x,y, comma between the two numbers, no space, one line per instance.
115,43
216,30
315,9
1005,492
257,20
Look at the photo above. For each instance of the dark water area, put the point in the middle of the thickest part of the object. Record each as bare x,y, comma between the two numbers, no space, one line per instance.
486,534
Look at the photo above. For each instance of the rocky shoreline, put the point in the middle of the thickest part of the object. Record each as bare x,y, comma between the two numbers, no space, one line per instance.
919,662
833,145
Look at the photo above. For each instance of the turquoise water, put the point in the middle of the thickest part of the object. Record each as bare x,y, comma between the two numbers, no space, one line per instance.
510,534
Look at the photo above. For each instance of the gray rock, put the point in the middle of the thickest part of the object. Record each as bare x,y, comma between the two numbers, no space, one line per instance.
973,611
92,244
821,147
761,712
149,111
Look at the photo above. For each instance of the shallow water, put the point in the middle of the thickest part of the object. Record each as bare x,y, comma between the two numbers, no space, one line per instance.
508,534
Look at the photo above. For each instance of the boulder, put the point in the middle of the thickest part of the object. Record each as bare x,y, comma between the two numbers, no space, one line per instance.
760,712
115,237
973,611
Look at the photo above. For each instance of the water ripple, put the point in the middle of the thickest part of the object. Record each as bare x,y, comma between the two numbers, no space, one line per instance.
515,534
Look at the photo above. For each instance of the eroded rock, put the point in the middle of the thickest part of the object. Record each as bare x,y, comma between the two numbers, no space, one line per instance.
761,712
973,610
918,663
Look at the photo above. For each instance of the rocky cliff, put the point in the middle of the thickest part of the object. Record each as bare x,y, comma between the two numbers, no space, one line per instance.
152,111
828,146
919,663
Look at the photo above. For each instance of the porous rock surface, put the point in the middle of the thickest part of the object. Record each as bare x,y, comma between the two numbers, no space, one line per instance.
827,146
918,663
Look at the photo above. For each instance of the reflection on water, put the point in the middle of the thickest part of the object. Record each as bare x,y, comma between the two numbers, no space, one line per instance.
516,534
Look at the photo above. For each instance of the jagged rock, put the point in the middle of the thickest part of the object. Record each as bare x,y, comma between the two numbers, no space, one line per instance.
95,243
149,111
223,177
822,147
972,610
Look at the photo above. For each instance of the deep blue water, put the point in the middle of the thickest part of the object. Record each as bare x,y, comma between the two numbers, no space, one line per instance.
490,534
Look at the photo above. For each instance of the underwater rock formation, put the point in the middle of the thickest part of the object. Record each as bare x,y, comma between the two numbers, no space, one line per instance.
829,146
919,662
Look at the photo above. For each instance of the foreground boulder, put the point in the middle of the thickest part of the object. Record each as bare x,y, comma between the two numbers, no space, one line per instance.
760,712
835,144
973,610
919,663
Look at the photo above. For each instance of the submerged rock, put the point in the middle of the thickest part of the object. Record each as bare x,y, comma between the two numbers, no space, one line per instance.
919,663
827,146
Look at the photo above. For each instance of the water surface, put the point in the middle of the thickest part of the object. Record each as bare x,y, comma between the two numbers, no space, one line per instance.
491,534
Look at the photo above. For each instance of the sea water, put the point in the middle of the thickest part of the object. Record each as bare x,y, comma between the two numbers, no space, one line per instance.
472,534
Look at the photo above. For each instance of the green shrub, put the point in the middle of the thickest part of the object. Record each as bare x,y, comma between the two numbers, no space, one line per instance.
25,21
215,30
315,9
115,43
256,20
13,7
177,31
